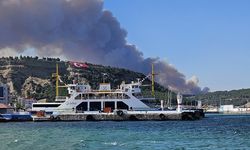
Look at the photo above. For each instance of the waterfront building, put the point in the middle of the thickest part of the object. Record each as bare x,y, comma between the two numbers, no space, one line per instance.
226,108
6,109
233,109
26,103
4,94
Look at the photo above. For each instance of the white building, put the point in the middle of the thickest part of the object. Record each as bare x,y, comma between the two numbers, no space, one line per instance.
26,103
232,109
226,108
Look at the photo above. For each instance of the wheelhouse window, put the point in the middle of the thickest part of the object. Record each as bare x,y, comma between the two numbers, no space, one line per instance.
135,86
125,96
137,95
78,96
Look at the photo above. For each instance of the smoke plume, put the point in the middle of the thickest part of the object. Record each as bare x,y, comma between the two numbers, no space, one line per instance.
78,30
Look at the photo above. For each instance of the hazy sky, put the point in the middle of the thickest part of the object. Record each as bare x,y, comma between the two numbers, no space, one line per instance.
206,38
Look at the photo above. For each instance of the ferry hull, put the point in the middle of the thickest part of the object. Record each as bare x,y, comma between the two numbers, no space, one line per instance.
128,116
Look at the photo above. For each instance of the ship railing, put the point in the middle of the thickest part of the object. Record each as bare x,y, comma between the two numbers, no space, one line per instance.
61,98
188,107
147,98
64,110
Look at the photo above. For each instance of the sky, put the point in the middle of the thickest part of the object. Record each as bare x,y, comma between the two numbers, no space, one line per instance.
209,39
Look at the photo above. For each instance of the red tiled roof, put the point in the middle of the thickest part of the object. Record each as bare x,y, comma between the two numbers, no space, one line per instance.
3,106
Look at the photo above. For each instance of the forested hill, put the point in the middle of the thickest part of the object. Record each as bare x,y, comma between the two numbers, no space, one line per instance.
235,97
31,77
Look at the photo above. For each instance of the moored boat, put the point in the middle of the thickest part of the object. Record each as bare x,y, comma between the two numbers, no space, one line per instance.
124,103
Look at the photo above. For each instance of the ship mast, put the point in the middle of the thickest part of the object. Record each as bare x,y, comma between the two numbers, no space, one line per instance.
153,82
57,80
56,75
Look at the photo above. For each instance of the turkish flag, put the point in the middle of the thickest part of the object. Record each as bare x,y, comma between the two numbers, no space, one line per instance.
78,64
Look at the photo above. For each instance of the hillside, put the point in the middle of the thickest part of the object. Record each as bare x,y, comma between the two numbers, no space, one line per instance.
235,97
31,77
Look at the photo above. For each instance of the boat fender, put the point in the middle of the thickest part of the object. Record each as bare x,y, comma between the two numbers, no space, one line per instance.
119,113
52,118
162,116
58,118
133,118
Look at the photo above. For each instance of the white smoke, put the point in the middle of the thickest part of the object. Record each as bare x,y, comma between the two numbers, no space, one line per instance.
5,52
78,30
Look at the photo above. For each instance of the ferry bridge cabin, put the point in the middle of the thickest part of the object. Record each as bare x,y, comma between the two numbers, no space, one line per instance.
82,98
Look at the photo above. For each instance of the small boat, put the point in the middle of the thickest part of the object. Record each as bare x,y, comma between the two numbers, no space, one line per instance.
15,117
3,118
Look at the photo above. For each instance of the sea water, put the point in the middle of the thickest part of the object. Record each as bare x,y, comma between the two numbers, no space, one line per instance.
213,132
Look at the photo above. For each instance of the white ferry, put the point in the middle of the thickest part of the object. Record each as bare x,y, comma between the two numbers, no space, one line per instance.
127,98
81,98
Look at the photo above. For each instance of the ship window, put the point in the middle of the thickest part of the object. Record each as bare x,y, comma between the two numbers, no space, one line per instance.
82,107
78,96
110,105
1,92
135,86
125,96
46,105
113,96
119,95
122,105
95,106
137,95
92,96
84,96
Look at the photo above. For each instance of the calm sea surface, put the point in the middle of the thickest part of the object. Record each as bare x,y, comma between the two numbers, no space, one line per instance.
213,132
